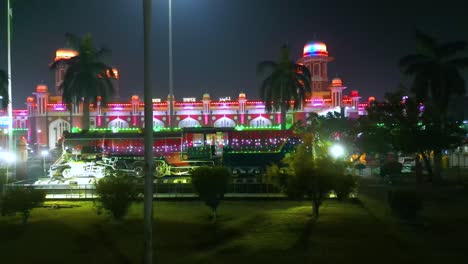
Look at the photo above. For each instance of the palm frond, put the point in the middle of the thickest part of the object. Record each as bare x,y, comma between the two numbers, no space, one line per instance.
459,63
451,49
425,44
73,40
413,59
266,66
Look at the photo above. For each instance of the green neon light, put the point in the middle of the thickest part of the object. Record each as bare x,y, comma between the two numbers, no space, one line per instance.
124,129
242,127
15,129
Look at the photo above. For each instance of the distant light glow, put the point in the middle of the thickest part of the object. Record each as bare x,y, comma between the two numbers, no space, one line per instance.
8,157
44,153
336,151
65,54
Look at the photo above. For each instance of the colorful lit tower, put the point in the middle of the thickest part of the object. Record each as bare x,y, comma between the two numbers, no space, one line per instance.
315,58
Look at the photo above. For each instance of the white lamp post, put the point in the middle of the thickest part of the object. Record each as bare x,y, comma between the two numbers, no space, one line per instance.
9,107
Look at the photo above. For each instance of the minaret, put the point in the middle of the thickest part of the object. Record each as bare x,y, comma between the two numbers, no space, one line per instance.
114,78
206,108
242,103
41,122
315,58
336,89
31,115
135,104
98,111
355,97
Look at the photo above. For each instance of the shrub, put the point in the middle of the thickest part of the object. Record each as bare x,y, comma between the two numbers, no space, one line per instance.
211,183
115,195
21,200
344,185
3,176
405,204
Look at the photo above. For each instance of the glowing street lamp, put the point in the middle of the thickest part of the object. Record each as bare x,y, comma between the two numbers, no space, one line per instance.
44,154
336,151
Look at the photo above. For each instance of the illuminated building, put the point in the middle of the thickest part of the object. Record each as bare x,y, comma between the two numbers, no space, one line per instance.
46,118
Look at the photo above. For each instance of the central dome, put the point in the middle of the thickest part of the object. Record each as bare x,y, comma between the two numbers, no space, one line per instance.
315,48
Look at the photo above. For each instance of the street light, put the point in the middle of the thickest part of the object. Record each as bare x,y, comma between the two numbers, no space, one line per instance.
44,154
336,151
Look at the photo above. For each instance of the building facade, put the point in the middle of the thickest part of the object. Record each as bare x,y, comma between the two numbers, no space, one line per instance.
46,118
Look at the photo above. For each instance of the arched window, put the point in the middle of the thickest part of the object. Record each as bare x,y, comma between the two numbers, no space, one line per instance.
260,122
117,123
316,69
157,123
224,122
56,129
189,122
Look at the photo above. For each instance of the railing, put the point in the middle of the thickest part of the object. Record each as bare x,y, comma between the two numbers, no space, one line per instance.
161,190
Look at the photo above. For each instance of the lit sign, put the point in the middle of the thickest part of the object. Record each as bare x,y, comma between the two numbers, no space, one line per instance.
225,99
189,99
156,100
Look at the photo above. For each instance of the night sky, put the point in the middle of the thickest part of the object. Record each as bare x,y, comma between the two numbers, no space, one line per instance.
218,43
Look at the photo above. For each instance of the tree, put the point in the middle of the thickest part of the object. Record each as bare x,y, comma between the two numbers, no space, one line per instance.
87,78
21,200
343,184
328,128
3,89
115,195
311,176
435,68
406,126
287,81
211,183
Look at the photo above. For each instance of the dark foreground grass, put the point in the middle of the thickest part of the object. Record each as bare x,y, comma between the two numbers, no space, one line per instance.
246,232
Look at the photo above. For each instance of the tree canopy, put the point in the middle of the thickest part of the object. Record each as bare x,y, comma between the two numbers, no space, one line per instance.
286,82
87,78
436,70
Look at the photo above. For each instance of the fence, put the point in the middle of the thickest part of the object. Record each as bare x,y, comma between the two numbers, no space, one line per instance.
161,190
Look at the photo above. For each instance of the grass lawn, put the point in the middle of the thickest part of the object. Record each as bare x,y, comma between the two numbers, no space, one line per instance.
246,232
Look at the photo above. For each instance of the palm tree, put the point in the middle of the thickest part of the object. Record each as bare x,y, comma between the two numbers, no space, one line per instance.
87,77
286,81
3,89
435,69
